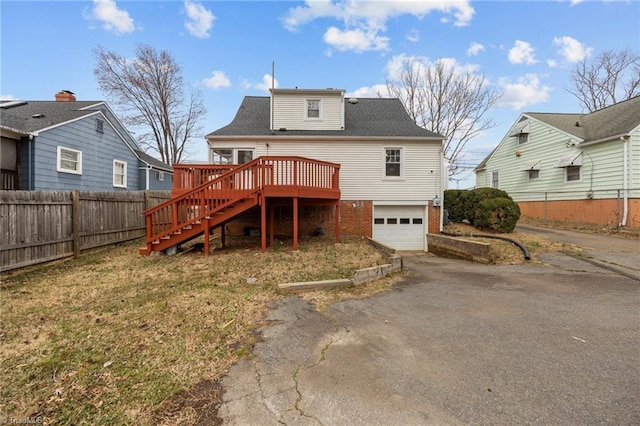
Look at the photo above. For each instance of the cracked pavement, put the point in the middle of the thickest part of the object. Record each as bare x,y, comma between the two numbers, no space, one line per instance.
455,343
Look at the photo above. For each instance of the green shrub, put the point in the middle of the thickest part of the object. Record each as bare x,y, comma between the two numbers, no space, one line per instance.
454,204
499,214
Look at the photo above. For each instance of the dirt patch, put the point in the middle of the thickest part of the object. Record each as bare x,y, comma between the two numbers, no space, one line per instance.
197,406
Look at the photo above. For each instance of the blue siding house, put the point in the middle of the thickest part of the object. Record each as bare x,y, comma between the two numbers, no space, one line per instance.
68,144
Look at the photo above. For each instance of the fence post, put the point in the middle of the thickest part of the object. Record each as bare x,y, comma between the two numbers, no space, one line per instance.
147,200
75,221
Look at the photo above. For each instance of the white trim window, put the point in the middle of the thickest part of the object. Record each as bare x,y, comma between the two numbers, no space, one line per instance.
533,174
573,173
495,179
69,161
159,175
119,174
393,162
314,109
232,155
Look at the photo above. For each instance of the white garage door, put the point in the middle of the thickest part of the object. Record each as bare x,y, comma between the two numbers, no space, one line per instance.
400,227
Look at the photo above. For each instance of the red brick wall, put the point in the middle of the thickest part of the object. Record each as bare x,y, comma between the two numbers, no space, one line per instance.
356,218
604,212
433,227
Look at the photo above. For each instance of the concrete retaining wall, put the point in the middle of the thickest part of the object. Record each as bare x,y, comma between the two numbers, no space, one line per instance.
458,248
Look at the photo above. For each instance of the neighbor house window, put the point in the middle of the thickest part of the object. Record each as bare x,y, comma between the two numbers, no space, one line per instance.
523,138
573,173
159,176
393,162
119,174
69,161
533,174
313,108
99,125
495,180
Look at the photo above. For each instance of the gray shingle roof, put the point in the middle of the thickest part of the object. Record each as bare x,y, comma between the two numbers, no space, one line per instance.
22,117
614,120
369,117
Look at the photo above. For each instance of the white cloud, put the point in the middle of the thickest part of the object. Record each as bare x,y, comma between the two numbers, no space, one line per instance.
474,49
571,49
217,80
413,36
575,2
552,63
365,20
522,53
264,86
525,91
113,19
357,40
200,19
375,91
7,98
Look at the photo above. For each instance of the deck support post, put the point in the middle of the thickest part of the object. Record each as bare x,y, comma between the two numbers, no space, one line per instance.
223,235
337,222
263,223
205,228
272,228
295,223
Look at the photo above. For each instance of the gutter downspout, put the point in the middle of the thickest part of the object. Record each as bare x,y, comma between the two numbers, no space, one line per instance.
625,184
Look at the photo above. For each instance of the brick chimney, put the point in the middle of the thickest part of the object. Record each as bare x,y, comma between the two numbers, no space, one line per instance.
65,96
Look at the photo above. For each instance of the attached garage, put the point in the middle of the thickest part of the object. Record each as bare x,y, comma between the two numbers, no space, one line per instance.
400,227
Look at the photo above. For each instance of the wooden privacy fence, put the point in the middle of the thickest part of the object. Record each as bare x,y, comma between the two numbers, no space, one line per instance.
40,226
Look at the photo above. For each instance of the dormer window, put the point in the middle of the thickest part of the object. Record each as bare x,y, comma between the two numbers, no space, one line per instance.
313,108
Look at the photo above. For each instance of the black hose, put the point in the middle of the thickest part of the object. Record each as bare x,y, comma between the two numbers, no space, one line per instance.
517,243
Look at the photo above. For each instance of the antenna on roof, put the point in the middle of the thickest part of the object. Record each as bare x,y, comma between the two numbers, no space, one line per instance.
273,85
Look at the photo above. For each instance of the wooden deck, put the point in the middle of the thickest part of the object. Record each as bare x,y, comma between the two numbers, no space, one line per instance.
209,196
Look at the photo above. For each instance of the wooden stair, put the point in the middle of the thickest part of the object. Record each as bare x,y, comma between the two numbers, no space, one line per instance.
227,195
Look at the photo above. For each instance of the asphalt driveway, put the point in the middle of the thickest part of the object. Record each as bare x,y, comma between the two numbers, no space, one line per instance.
454,343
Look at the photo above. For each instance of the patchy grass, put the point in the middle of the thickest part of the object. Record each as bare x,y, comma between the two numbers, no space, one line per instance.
117,338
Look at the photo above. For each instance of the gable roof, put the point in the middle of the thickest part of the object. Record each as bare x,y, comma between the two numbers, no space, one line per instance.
27,117
31,116
604,124
615,120
369,117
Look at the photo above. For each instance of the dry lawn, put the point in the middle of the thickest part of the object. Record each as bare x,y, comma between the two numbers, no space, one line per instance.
116,338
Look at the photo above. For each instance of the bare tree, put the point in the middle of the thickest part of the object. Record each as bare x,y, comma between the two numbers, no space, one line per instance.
149,93
608,78
447,99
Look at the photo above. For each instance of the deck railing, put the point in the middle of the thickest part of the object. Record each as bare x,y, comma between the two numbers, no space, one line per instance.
240,182
189,176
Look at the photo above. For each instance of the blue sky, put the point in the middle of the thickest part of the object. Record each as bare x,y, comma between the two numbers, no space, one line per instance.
226,48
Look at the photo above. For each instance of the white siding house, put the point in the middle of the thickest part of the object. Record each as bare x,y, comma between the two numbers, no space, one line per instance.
391,170
571,167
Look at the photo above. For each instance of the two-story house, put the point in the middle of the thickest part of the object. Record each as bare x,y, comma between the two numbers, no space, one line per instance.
73,145
310,161
391,170
572,167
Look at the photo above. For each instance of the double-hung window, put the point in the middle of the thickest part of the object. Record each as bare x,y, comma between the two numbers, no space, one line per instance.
69,161
313,108
119,174
393,162
495,180
231,155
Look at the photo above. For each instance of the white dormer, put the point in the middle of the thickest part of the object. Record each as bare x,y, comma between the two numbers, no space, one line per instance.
307,109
